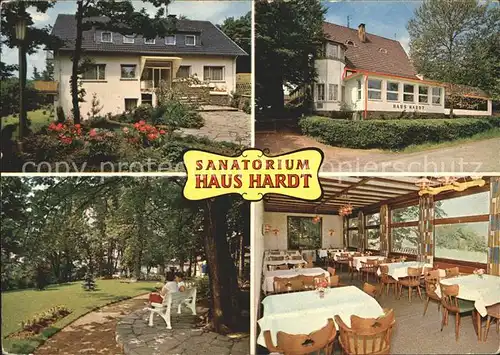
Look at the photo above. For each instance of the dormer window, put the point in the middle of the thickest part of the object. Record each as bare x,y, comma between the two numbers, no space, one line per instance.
350,43
106,37
170,40
382,50
128,39
190,40
149,41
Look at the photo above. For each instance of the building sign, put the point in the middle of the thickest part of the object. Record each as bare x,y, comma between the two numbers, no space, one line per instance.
409,107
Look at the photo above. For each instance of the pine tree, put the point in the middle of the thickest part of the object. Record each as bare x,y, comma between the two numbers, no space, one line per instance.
36,74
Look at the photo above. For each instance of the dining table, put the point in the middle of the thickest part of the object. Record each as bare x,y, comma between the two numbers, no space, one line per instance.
305,312
338,253
356,260
400,270
268,280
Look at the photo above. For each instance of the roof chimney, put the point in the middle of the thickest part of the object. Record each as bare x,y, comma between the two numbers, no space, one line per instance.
362,32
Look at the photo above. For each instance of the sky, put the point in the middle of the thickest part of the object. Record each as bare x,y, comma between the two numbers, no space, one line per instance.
383,18
214,11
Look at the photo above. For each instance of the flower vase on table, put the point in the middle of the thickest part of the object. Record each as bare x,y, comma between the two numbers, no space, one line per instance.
321,287
479,273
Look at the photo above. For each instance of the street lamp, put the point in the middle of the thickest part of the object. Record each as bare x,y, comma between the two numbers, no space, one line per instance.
21,36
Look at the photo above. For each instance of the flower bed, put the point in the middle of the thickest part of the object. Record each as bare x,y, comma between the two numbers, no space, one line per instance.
40,321
393,134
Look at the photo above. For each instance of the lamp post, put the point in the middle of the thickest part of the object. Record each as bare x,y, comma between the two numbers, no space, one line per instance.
21,36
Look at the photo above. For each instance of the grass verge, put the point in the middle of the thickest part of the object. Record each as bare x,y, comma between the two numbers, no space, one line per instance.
39,118
20,305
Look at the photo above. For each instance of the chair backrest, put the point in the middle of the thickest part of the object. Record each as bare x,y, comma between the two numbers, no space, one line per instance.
309,264
431,283
308,281
449,297
320,341
275,252
177,297
370,289
296,257
331,270
288,284
281,267
357,254
334,281
452,272
366,335
277,258
369,265
414,274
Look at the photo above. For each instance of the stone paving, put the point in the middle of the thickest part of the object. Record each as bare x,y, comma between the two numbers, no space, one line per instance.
137,338
229,126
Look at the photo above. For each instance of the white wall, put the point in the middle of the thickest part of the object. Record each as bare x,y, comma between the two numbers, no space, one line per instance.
279,220
113,91
257,255
330,72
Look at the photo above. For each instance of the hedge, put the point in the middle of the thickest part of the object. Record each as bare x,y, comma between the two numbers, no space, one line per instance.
392,134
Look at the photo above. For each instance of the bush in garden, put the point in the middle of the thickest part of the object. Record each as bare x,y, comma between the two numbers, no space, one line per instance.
392,134
174,115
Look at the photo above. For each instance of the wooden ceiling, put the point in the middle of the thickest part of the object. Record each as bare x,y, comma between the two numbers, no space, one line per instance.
367,193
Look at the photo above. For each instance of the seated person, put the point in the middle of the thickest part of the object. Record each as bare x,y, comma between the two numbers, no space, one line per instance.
179,279
170,284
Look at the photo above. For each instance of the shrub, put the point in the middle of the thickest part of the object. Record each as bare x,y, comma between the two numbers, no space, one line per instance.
174,114
392,134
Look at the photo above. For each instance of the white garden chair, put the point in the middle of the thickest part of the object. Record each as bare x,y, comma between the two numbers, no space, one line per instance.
176,299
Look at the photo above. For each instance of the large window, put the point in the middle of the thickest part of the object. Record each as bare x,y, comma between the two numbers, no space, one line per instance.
130,104
128,71
372,228
333,92
352,233
184,71
213,73
95,72
106,37
374,89
404,230
436,96
423,94
392,91
359,89
304,233
408,93
461,228
320,92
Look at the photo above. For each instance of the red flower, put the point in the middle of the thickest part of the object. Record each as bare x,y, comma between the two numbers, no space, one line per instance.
93,132
162,131
136,125
142,122
152,136
78,126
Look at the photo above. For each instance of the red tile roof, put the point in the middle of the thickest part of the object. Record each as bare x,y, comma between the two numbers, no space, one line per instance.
377,54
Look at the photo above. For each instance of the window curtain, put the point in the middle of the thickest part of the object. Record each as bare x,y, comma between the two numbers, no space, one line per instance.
345,221
384,230
494,228
361,231
426,228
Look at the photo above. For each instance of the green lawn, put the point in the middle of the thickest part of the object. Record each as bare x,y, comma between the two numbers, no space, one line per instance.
492,133
39,118
23,304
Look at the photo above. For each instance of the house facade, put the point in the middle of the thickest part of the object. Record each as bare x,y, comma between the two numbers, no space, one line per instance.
373,77
125,71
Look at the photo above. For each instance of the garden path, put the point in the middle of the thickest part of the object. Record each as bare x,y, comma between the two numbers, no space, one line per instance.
477,156
94,333
229,126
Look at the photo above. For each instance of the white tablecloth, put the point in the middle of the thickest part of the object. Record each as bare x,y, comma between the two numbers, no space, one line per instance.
337,254
356,261
323,253
281,262
304,312
400,270
483,291
268,284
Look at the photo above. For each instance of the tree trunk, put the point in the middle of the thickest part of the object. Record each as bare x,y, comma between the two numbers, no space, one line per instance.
77,53
222,272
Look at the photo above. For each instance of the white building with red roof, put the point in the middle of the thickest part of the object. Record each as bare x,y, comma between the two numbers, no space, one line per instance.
373,77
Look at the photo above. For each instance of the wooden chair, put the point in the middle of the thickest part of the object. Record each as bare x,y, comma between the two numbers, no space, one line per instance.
352,269
309,264
288,284
280,267
412,281
369,268
317,342
387,280
452,272
452,304
370,289
493,312
431,283
335,281
308,282
332,271
343,259
366,335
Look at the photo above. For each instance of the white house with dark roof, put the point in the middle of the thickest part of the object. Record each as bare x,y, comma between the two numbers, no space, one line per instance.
373,76
126,70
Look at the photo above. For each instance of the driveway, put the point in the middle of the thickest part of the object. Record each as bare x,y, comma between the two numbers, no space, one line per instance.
229,126
482,156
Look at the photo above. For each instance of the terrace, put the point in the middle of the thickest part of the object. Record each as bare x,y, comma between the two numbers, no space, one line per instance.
372,245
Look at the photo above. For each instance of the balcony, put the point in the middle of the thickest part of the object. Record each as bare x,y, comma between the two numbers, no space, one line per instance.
47,87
